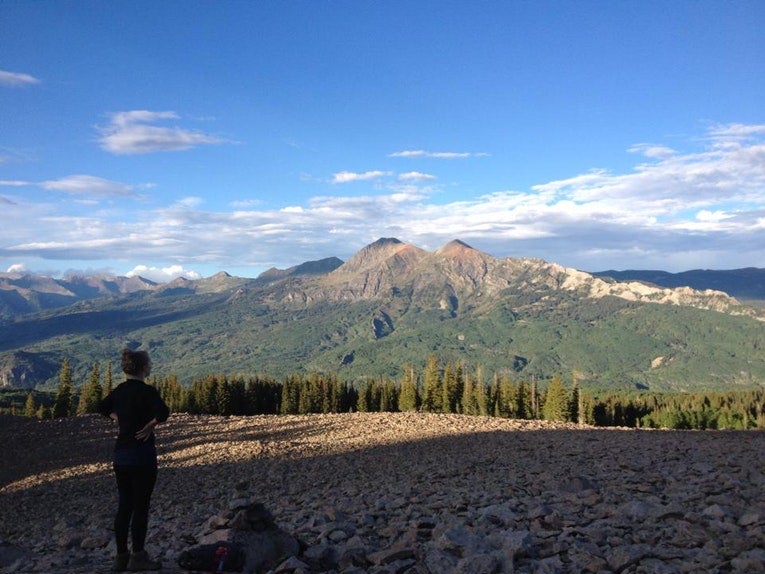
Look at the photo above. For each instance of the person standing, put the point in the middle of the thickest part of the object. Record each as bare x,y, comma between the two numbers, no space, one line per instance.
137,408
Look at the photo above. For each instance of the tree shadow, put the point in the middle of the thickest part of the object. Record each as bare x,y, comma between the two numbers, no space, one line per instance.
287,465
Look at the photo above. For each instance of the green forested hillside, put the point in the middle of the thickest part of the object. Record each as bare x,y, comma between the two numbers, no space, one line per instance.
608,342
393,305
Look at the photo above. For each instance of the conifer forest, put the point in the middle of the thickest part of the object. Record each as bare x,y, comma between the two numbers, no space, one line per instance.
436,388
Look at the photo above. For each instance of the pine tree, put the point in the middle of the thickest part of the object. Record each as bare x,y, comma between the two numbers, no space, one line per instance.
62,405
408,399
108,380
290,399
481,398
468,403
91,393
575,403
534,398
522,409
362,404
459,389
173,393
556,406
336,395
305,399
508,398
431,391
449,389
223,397
237,396
30,408
388,397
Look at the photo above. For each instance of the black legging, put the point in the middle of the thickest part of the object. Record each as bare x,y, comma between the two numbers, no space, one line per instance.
135,485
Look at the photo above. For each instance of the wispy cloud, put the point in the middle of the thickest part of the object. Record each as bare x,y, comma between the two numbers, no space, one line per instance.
135,132
415,176
435,154
16,79
88,185
10,156
246,203
349,176
736,131
652,151
14,183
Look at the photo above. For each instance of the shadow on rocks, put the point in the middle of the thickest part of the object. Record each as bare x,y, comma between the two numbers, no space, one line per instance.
244,538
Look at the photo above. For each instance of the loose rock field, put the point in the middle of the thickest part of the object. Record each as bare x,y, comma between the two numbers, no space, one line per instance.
403,493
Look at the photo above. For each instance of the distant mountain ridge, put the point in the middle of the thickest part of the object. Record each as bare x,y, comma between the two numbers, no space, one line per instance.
27,293
22,293
747,283
456,271
393,304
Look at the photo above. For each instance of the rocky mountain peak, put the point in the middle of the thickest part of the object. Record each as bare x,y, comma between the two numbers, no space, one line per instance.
456,247
386,252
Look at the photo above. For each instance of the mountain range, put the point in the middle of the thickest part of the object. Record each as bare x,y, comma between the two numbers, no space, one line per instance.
389,305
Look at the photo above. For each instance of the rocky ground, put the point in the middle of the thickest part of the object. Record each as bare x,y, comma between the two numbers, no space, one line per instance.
404,493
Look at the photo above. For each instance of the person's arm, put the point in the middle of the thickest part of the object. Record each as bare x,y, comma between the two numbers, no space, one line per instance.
160,410
161,413
106,407
145,432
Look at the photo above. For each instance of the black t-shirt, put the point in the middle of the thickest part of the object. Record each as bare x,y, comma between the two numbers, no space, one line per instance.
135,404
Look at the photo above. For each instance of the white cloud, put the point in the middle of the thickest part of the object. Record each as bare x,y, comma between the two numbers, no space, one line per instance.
706,215
246,203
17,268
436,154
652,151
162,275
11,155
14,183
16,79
707,204
415,176
134,132
88,185
736,131
349,176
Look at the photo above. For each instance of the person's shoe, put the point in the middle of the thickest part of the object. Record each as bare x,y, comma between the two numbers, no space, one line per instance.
121,562
140,561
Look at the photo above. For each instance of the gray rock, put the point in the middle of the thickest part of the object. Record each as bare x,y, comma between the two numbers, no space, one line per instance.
10,554
749,561
752,518
480,564
391,554
627,555
436,560
291,564
94,541
498,515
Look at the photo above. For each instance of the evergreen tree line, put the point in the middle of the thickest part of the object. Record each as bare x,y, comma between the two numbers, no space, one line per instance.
66,401
440,388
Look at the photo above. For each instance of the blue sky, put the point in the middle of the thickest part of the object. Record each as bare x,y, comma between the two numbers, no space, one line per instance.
187,137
